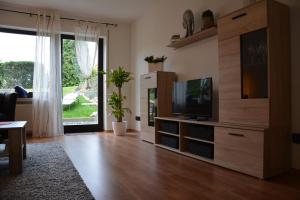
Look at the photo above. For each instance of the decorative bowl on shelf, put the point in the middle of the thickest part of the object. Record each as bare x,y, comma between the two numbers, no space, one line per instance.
175,38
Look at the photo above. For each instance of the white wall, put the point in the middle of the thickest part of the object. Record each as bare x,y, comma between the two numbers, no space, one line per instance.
151,33
119,55
118,42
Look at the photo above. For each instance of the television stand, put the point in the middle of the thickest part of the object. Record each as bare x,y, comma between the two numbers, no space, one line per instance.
185,136
202,119
232,146
193,118
183,117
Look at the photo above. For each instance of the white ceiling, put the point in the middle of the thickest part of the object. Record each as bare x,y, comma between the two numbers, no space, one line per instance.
121,10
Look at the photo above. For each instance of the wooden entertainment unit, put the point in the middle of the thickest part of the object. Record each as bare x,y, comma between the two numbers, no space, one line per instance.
254,86
176,135
156,100
252,135
233,146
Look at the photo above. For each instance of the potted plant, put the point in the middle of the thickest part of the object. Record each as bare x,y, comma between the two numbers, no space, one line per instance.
208,19
118,77
155,64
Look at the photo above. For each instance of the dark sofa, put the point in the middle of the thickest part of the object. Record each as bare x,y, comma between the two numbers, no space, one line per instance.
7,110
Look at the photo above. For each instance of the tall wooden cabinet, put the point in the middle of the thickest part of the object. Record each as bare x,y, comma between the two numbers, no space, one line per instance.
254,89
156,100
252,135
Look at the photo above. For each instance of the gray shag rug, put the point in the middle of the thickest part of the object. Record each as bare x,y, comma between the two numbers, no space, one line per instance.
48,173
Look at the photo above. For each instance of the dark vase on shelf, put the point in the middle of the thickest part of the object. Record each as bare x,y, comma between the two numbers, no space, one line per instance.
207,19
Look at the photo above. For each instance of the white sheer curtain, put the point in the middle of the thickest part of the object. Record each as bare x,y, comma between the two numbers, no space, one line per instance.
47,95
86,44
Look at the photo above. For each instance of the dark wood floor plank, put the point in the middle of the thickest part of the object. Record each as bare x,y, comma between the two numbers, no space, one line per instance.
127,168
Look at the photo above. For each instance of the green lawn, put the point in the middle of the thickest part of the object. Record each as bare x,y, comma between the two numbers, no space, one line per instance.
67,90
79,111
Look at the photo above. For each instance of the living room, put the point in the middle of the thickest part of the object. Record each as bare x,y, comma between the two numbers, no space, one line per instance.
170,149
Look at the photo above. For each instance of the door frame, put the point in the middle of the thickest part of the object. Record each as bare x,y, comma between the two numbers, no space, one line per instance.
89,127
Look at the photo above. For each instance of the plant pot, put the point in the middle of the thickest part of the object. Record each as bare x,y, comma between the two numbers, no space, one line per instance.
119,128
152,67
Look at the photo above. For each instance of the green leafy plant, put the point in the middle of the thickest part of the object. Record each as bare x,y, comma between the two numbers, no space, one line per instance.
16,73
71,75
151,59
118,77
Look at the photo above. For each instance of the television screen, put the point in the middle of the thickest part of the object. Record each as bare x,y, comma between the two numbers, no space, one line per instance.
193,98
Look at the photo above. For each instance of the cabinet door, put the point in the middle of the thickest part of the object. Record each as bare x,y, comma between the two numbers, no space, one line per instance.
148,81
245,20
241,150
232,108
254,64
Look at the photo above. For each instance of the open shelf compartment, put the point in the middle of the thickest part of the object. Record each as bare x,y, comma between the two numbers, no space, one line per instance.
169,141
190,139
203,133
198,148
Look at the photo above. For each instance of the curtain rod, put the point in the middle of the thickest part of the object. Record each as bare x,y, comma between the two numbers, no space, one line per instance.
64,18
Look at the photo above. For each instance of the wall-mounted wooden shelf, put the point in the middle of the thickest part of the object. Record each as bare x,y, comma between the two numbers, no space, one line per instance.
194,38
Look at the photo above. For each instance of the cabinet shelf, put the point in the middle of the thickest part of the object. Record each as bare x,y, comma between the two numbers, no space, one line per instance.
168,148
194,38
166,133
198,157
199,140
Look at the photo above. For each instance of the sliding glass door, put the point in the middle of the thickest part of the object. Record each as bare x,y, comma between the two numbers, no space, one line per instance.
82,97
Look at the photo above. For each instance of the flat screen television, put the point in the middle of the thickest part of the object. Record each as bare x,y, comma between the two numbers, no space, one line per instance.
193,98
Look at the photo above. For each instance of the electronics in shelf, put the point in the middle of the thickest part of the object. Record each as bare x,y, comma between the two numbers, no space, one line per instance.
180,136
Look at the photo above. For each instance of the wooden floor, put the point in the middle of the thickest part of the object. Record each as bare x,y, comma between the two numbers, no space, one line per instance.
127,168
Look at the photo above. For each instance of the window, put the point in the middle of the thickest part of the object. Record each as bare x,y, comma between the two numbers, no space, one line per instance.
17,53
